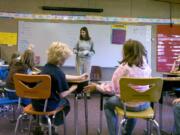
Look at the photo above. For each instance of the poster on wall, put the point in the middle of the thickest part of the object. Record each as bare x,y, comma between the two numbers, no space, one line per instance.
168,46
118,34
7,38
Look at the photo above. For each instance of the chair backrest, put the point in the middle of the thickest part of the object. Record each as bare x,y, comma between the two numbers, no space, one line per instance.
95,74
32,86
151,89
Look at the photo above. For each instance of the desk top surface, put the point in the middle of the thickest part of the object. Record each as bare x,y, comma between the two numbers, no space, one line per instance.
164,79
77,81
171,78
170,74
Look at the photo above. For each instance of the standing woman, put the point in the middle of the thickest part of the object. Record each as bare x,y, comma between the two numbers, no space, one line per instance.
84,50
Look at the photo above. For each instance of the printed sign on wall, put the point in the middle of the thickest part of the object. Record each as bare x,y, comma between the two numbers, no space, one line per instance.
168,46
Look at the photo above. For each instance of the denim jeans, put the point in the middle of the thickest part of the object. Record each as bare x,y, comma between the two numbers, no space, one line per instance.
109,108
176,109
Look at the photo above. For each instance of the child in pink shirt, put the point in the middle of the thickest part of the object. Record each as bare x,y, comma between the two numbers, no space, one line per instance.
133,64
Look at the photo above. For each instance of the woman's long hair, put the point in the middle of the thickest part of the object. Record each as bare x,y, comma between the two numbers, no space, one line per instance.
87,37
133,53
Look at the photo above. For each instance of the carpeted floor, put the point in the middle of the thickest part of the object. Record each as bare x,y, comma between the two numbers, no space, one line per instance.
7,128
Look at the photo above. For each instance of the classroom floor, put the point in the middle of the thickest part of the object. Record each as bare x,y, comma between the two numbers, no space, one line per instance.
7,128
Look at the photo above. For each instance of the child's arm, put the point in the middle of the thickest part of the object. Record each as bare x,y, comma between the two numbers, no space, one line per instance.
66,93
173,69
177,100
103,88
76,77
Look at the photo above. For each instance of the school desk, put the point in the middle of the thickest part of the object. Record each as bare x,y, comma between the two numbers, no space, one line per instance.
169,83
79,90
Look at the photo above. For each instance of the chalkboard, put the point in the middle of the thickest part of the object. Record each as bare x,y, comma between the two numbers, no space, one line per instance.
107,54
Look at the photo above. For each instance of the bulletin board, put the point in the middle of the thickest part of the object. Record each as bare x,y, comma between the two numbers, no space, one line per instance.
168,46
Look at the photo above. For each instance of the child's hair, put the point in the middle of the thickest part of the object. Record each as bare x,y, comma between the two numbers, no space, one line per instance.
58,52
87,37
14,58
15,55
133,53
28,58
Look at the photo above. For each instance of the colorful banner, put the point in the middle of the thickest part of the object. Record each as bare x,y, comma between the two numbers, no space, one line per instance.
89,18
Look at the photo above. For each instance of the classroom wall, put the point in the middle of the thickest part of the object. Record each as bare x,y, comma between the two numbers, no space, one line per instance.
118,8
127,8
6,52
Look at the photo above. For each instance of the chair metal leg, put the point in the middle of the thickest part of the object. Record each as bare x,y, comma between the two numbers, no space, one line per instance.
100,115
14,113
100,122
157,126
123,121
76,115
64,119
160,116
17,123
147,127
150,127
49,125
29,127
86,113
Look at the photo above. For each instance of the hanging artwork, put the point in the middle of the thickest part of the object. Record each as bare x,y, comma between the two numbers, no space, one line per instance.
118,34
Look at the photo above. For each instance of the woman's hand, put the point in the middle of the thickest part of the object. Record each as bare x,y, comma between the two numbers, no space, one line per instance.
89,88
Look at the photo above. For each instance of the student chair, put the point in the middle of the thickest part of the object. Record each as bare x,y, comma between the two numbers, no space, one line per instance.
129,93
35,87
95,74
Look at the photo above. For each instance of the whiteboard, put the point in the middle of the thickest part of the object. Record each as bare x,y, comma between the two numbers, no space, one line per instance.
42,34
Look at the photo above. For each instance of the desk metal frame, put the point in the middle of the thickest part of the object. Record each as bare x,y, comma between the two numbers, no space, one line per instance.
166,89
76,113
80,91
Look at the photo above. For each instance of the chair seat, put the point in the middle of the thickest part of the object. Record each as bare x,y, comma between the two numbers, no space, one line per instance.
146,114
7,101
30,110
